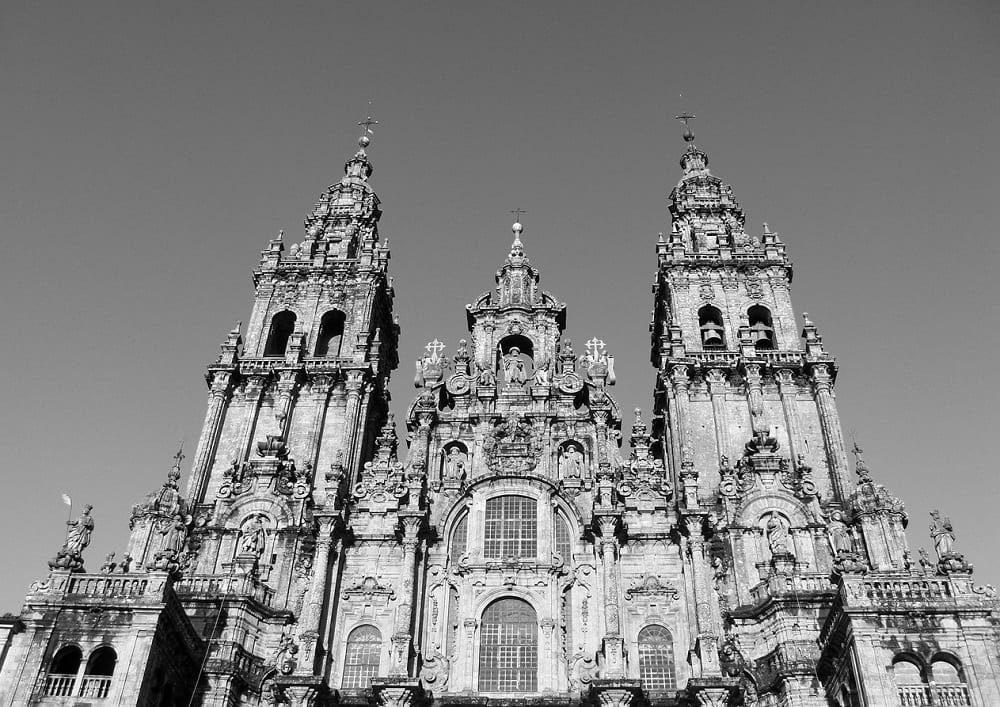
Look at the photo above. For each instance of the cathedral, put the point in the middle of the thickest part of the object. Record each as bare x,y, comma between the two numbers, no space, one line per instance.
536,544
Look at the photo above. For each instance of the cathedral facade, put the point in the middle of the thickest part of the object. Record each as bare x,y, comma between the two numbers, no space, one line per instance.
522,553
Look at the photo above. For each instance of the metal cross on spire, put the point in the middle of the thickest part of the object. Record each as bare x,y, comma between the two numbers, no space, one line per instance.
179,457
686,118
517,213
366,130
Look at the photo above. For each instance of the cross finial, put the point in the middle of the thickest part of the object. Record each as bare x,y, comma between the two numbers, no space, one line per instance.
179,457
686,118
366,130
855,449
435,348
595,346
517,213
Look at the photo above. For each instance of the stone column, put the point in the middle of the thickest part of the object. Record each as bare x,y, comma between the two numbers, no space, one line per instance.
312,610
320,388
355,391
470,624
716,379
755,398
615,667
706,604
681,384
548,681
833,436
210,430
402,637
252,396
787,390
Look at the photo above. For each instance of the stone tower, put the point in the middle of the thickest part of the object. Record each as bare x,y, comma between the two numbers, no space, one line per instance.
729,556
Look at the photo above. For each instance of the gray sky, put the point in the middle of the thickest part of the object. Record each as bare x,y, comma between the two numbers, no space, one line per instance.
149,150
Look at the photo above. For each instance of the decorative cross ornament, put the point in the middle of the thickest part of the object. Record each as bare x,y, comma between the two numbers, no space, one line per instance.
686,118
517,213
179,457
595,347
435,348
367,124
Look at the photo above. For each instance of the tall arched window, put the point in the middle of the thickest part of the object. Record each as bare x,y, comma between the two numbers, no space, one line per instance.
100,668
361,661
911,684
460,538
949,684
563,541
508,654
331,332
511,528
713,335
62,672
656,659
282,326
761,327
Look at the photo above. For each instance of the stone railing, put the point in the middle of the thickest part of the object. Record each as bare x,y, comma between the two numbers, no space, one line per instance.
773,357
59,685
865,590
105,587
210,586
717,358
95,686
921,695
231,658
792,585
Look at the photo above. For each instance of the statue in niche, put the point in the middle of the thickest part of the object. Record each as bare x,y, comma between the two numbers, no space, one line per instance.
254,537
486,377
455,464
777,535
514,372
80,530
570,462
839,533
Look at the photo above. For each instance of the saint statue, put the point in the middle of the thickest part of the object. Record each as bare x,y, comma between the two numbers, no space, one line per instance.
542,374
254,537
486,377
80,530
455,464
571,462
839,534
777,535
175,534
513,367
943,535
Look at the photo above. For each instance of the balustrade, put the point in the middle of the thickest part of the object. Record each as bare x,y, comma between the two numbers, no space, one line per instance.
59,685
95,686
933,695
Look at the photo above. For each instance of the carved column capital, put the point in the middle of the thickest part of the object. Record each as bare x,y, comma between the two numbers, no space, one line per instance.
680,377
716,379
821,378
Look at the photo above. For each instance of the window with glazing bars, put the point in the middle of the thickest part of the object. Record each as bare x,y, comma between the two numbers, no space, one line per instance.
361,660
508,655
460,538
656,659
564,545
511,528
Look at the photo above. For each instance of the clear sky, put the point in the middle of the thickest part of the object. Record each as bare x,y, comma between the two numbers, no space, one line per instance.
149,150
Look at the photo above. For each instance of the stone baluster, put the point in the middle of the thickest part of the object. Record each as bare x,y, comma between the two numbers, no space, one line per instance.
833,437
207,443
402,637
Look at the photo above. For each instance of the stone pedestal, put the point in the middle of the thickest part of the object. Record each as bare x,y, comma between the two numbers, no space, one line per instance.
397,692
617,692
301,690
709,692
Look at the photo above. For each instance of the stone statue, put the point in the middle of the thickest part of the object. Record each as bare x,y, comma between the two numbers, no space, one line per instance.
254,537
571,462
542,374
175,534
455,464
80,530
125,566
926,566
777,535
109,564
513,367
839,534
486,377
942,534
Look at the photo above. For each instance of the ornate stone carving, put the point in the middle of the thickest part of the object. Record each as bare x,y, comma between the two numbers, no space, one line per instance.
652,587
514,445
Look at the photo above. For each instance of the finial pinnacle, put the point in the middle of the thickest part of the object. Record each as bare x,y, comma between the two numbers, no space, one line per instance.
179,457
517,227
366,130
686,118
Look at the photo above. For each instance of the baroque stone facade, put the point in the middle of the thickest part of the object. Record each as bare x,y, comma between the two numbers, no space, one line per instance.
728,556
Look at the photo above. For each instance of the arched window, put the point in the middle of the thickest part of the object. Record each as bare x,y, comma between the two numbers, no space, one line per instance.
713,335
563,541
761,327
282,326
511,528
949,684
100,668
331,333
911,684
361,661
460,538
656,659
62,672
508,655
